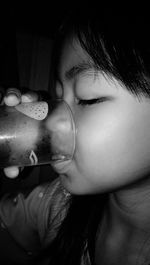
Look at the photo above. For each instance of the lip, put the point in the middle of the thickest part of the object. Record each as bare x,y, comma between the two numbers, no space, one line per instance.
61,167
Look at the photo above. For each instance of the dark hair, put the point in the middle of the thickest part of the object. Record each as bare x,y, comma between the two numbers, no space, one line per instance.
119,46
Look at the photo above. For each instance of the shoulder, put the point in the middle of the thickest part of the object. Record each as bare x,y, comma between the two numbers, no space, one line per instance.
53,195
53,208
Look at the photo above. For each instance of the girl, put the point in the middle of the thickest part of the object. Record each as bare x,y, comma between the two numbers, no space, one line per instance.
97,210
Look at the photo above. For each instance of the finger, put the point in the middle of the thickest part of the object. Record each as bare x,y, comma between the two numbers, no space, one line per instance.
11,172
12,97
30,97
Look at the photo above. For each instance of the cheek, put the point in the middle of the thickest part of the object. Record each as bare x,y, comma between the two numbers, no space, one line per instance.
114,149
94,137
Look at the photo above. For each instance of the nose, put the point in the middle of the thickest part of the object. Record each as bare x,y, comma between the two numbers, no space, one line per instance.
61,126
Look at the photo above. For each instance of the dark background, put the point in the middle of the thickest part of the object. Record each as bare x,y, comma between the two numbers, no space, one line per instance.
26,30
41,18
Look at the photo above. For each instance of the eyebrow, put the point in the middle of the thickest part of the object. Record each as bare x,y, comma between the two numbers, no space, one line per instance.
78,69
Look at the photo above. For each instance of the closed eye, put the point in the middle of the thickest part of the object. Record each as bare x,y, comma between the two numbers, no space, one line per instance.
86,102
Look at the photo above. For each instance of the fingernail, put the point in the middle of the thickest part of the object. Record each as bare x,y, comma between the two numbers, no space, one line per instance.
13,91
26,98
32,96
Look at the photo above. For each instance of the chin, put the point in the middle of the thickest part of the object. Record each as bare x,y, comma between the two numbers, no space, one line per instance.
75,188
67,183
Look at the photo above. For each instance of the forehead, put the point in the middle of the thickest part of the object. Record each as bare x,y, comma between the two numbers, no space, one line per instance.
72,54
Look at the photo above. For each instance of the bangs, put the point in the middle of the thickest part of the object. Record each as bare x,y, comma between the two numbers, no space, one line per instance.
118,52
118,47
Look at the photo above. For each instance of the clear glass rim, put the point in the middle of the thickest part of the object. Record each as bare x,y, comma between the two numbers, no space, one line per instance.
62,101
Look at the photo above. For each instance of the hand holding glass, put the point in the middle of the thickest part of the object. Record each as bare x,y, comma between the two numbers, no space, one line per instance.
36,133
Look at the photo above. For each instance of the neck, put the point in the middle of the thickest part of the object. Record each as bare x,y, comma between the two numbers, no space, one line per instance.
132,204
125,230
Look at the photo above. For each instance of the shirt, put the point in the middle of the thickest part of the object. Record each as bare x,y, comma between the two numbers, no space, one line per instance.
30,221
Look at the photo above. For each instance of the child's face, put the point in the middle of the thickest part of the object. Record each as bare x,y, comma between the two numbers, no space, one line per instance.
113,127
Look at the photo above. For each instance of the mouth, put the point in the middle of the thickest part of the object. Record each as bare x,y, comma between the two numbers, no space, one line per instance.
61,167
